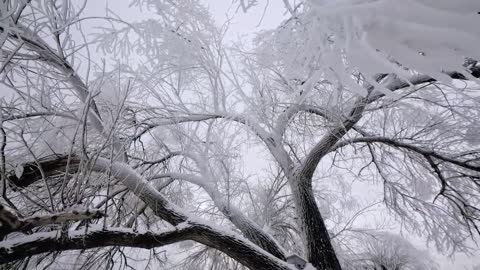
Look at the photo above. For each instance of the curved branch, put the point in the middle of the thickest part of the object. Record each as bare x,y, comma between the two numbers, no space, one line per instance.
50,166
237,248
291,111
10,222
356,113
306,169
228,242
37,243
272,142
414,148
175,120
36,44
247,226
48,55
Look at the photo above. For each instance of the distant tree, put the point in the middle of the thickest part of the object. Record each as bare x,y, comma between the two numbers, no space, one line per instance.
119,134
387,251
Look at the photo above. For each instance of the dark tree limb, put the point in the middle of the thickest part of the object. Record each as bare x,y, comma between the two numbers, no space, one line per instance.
10,222
57,165
51,166
317,240
37,243
408,146
229,243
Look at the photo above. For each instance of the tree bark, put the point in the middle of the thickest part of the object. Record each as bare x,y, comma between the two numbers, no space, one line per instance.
237,248
318,248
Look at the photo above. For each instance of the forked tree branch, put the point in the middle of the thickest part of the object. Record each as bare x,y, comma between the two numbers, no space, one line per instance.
417,149
248,227
329,140
228,242
56,165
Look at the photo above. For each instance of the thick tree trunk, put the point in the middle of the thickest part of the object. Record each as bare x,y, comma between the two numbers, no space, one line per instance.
318,248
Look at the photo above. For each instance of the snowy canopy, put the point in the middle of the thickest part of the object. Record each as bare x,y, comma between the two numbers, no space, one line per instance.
382,36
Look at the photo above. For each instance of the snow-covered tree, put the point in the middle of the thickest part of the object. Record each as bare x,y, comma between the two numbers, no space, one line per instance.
387,251
131,130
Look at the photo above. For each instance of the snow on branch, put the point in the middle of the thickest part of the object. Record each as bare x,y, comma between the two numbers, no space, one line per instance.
226,241
38,243
383,36
69,215
329,140
10,222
